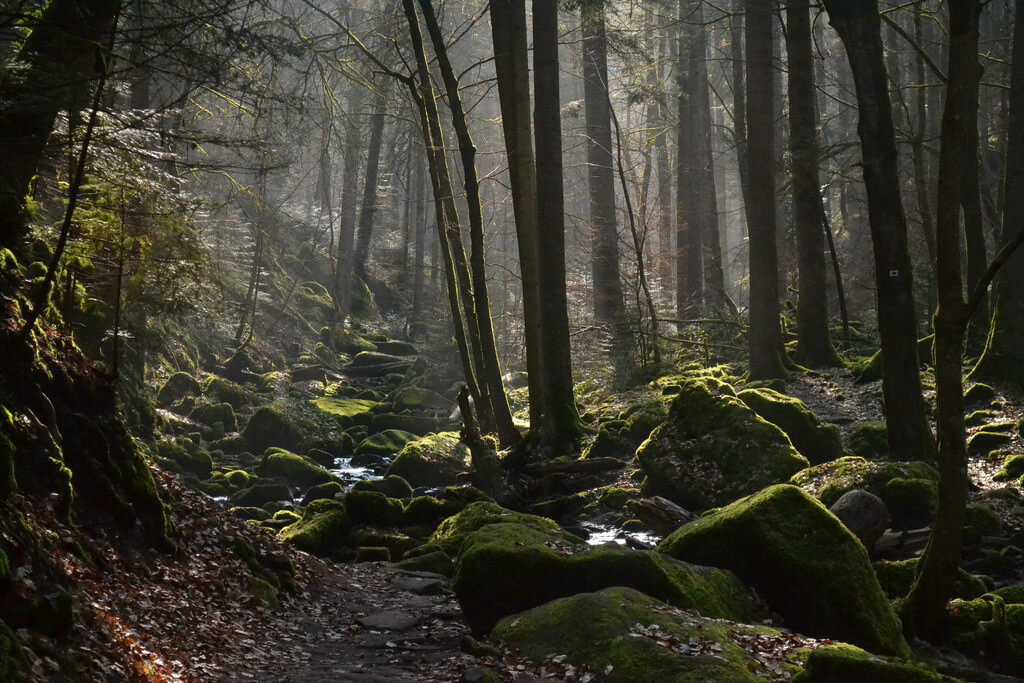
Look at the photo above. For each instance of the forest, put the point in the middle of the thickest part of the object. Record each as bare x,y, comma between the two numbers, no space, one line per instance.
486,340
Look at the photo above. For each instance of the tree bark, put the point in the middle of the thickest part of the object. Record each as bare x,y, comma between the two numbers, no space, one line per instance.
766,360
368,210
690,178
814,346
909,435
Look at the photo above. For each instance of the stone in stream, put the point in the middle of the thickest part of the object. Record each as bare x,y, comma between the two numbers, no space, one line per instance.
863,513
390,620
420,585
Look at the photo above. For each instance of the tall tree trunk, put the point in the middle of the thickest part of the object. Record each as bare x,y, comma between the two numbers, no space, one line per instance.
420,232
815,348
921,175
858,25
490,373
665,181
343,283
974,224
364,231
925,610
690,191
608,304
1003,359
766,359
561,421
59,54
739,95
508,32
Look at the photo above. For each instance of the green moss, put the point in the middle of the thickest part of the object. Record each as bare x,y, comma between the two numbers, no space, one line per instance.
897,577
1013,468
210,414
371,507
979,393
14,664
626,636
274,381
831,480
867,369
178,386
263,593
269,426
614,498
418,398
713,449
425,510
1011,595
912,502
396,348
347,341
391,486
817,442
8,481
261,493
507,568
434,460
452,532
286,516
256,514
385,443
192,461
869,441
294,469
801,560
238,478
987,627
562,507
222,390
322,529
983,519
373,554
326,491
841,663
984,442
978,418
347,411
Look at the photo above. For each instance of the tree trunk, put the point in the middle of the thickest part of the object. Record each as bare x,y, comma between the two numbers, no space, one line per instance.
739,94
490,373
368,210
343,283
420,240
766,359
690,178
608,304
56,57
925,610
665,182
814,347
921,175
1003,358
909,435
974,224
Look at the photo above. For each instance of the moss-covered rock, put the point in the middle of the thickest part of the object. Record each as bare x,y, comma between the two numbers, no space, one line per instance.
867,369
897,577
831,480
979,394
347,341
209,414
396,347
256,514
983,519
322,529
626,636
347,411
186,460
619,438
841,663
978,418
295,469
1013,468
452,532
429,511
713,449
270,426
418,398
391,486
8,482
374,364
815,441
386,443
220,390
263,593
984,441
989,629
801,560
261,493
869,441
373,554
506,568
14,664
239,479
912,502
433,460
371,507
178,386
326,491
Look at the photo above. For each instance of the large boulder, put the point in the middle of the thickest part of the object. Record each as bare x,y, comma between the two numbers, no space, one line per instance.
271,426
178,386
620,437
506,568
816,441
385,444
322,529
626,636
347,411
713,449
434,460
842,663
801,560
863,513
209,414
295,469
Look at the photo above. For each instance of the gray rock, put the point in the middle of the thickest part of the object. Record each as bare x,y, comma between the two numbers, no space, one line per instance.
390,620
437,562
863,513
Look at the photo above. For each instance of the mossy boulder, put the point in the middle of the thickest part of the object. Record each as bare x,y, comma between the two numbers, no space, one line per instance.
619,438
453,531
261,493
386,443
626,636
867,369
507,567
326,491
713,449
869,441
322,529
911,502
896,578
297,470
189,460
209,414
841,663
815,441
429,511
1013,468
831,480
271,426
347,341
373,554
347,411
984,441
396,347
990,629
802,560
371,507
434,460
979,394
374,364
391,486
239,479
418,398
220,390
176,387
